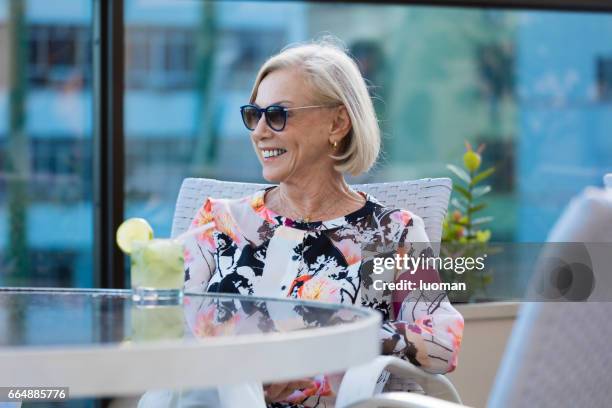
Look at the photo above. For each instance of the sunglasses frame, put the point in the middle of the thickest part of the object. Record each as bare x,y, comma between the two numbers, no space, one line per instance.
283,109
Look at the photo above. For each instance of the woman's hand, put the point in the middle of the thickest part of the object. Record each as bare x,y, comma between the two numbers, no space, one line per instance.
277,392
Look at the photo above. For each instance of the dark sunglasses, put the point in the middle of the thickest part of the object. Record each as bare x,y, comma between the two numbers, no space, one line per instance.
276,115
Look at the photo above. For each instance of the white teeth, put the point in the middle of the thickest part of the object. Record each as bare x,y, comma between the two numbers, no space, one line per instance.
272,153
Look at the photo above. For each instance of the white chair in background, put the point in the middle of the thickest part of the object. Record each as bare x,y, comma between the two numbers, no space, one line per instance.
587,218
608,180
559,354
427,198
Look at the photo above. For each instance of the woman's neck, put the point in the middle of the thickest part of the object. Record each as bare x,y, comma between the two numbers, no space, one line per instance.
315,199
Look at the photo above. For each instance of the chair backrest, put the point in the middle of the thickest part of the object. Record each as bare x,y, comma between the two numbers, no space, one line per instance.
559,353
608,180
427,198
558,356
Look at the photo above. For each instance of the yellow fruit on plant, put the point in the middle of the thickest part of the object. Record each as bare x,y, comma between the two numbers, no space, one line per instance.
471,159
483,236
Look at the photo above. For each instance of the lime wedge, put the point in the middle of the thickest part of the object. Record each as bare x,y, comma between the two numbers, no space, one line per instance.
133,230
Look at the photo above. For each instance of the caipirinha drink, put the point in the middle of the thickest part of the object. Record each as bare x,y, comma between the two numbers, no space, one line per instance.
156,264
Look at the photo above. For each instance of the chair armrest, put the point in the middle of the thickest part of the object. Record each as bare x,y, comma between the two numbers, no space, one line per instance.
403,400
359,382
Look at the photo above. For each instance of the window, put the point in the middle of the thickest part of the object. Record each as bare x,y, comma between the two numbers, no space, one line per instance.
496,67
244,51
160,58
522,82
604,78
518,81
46,209
535,86
58,55
201,57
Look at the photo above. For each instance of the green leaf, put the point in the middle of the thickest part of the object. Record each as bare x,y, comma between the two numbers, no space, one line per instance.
482,175
458,205
462,191
477,208
480,191
463,200
482,220
459,172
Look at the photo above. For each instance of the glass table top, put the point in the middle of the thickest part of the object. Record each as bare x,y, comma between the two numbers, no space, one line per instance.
73,317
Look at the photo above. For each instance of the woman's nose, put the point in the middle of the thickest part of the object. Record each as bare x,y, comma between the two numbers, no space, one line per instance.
261,130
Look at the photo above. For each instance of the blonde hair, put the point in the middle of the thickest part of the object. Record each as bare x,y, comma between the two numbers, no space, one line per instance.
335,79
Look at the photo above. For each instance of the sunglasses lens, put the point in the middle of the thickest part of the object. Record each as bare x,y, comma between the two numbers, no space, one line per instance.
250,117
276,117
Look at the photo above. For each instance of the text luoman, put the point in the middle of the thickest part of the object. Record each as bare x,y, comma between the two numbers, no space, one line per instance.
410,285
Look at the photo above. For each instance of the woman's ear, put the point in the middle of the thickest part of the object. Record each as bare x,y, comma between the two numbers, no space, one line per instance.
341,124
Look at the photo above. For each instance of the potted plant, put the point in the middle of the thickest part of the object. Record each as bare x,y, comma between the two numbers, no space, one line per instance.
464,231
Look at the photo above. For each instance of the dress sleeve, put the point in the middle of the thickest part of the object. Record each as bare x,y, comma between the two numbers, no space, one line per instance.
424,328
199,252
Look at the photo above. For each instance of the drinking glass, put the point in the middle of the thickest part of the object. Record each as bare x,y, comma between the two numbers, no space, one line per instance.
157,268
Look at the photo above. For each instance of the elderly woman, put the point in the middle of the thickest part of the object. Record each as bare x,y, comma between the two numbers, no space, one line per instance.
311,121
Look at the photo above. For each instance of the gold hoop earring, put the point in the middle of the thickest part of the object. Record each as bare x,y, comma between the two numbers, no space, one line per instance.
334,144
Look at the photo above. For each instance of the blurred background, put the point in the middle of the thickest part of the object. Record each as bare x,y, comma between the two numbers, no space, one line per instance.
534,86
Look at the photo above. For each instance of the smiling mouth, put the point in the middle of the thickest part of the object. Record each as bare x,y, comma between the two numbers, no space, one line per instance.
272,153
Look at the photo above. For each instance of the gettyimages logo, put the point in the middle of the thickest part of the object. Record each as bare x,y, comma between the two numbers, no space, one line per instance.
458,264
525,272
393,270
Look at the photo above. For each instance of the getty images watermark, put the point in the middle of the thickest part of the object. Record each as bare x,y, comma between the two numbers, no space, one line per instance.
423,263
511,271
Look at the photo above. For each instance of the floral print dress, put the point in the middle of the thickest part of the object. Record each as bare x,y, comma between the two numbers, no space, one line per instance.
254,251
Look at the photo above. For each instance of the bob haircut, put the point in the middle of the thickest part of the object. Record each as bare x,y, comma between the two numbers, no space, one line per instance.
335,79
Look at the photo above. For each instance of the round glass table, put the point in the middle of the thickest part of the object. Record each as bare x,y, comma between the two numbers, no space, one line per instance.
99,343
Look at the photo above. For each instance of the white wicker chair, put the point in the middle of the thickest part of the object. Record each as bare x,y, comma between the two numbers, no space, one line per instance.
427,198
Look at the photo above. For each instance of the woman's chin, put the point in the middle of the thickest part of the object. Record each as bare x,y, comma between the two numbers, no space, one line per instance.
271,175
